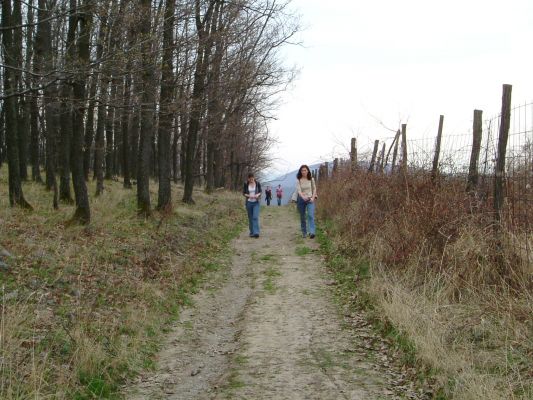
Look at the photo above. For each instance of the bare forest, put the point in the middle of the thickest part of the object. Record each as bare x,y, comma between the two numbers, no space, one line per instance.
136,90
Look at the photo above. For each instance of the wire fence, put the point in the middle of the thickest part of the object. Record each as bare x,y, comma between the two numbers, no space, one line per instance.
455,162
455,158
456,149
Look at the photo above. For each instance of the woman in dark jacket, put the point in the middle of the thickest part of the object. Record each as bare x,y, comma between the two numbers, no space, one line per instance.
252,191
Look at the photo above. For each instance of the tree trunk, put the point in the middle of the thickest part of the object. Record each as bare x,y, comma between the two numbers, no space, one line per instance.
2,135
66,111
134,138
183,130
198,94
147,113
175,156
126,132
32,108
34,144
83,212
89,126
43,50
164,200
16,196
214,114
65,144
109,133
52,123
20,103
99,139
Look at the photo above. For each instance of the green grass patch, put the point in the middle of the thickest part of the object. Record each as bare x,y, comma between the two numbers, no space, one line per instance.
303,251
269,283
234,382
96,387
240,359
269,257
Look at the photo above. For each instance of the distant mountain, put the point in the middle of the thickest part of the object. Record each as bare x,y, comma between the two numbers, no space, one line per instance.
287,182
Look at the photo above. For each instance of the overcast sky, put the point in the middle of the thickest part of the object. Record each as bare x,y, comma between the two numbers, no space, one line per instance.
365,64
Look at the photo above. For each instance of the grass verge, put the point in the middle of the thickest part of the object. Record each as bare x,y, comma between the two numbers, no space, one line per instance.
453,293
84,308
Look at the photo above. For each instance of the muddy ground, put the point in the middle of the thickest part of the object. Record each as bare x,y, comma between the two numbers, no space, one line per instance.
268,328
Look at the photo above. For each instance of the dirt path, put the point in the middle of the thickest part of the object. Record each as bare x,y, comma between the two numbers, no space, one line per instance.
268,329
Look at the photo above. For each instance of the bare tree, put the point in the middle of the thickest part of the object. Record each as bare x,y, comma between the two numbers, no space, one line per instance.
166,109
82,213
147,87
16,196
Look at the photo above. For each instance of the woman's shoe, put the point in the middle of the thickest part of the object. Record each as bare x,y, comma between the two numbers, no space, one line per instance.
256,235
312,235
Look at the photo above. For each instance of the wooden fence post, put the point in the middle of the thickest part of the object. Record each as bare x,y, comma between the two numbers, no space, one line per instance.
435,169
476,148
374,153
353,155
395,152
403,166
326,170
499,173
335,166
382,158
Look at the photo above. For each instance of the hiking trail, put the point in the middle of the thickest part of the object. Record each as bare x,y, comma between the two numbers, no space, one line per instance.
268,328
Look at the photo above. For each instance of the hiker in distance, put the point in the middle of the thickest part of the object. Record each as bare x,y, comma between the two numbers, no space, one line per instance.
305,202
252,191
279,194
268,195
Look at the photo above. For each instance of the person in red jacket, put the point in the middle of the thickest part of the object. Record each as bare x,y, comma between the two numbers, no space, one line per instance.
279,194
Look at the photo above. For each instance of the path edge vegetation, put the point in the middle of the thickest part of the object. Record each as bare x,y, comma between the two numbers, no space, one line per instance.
462,322
84,309
350,275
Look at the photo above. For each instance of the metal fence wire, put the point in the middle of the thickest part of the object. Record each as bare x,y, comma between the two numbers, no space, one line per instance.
455,154
454,161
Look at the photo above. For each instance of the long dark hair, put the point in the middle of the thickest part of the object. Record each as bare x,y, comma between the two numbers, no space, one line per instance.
299,176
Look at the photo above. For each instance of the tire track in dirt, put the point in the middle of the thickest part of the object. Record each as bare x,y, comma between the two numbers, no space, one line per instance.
267,328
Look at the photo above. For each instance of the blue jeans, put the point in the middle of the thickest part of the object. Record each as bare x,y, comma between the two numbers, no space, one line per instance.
279,201
252,207
304,206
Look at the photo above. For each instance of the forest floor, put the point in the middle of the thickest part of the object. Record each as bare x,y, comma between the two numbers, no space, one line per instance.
268,326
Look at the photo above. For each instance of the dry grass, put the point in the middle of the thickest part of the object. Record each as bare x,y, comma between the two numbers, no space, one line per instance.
83,307
463,296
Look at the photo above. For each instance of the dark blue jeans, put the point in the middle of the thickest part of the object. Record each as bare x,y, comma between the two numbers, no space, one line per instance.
303,207
252,207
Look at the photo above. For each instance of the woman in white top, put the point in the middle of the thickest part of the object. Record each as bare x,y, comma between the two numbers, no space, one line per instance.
306,189
252,191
